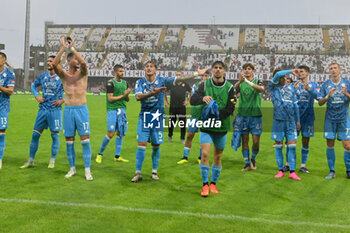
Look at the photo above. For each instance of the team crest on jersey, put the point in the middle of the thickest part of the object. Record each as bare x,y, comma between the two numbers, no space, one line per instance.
342,85
4,75
156,82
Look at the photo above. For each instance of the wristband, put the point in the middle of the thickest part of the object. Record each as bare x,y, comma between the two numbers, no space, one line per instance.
327,97
248,82
72,49
195,74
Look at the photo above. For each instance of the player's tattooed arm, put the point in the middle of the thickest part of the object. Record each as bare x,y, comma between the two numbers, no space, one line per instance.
156,91
199,72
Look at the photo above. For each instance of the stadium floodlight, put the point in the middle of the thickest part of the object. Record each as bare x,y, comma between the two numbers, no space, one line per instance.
26,46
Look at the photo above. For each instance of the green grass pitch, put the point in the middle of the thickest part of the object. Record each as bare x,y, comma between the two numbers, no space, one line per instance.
42,200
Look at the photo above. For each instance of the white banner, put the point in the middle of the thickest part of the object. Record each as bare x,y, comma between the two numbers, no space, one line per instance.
229,75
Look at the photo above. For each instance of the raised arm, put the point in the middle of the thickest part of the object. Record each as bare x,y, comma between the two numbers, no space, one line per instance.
56,62
279,75
199,72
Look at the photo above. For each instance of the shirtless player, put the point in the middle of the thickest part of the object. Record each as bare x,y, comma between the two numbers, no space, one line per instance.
76,113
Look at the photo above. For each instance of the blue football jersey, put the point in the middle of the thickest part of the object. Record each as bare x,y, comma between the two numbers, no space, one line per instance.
283,98
52,89
338,103
306,100
7,79
156,102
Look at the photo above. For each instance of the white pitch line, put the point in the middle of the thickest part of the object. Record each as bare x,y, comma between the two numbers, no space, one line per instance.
175,212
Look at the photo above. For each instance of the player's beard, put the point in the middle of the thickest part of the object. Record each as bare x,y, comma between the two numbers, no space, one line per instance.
217,77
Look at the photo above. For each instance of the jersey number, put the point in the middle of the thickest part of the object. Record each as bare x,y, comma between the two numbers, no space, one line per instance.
57,123
3,120
86,125
160,136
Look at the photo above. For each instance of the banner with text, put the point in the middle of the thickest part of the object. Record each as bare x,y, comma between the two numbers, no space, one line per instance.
229,75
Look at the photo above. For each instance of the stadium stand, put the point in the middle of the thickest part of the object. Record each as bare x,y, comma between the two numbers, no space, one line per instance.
187,46
294,39
251,35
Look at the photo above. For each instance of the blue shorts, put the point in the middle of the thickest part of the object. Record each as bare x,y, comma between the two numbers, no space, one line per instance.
4,123
331,128
307,128
194,128
219,140
112,119
252,125
49,118
76,118
156,136
281,129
